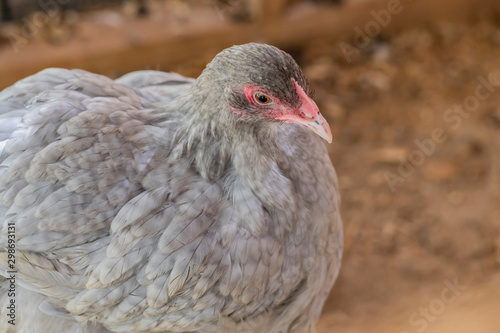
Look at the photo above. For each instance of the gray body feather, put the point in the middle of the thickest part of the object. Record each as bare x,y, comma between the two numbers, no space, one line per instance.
137,209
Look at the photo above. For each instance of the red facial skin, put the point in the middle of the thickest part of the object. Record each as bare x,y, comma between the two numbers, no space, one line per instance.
278,110
306,114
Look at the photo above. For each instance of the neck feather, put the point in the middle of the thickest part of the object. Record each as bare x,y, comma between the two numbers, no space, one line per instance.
212,141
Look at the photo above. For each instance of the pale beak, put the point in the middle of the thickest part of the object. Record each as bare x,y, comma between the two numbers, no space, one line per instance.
308,115
318,125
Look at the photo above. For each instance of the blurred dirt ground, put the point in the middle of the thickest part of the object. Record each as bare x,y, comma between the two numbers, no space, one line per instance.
424,255
440,222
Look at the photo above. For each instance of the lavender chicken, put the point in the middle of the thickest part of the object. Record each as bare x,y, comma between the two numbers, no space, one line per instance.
159,203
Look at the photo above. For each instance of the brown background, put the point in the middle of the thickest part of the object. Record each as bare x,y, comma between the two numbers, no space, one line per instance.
404,247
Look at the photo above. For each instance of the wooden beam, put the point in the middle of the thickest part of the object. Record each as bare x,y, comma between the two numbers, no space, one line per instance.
116,52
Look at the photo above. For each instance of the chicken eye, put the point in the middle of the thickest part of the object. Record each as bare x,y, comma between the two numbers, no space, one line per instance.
262,98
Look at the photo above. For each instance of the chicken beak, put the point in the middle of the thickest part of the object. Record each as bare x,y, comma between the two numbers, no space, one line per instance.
318,125
308,115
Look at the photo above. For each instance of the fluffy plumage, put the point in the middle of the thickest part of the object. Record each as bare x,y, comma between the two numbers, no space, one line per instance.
158,203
